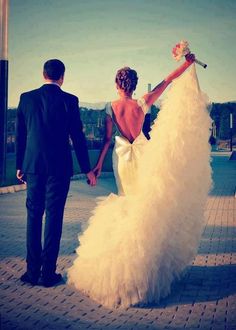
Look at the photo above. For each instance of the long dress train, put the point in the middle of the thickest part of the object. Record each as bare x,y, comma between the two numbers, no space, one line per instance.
137,244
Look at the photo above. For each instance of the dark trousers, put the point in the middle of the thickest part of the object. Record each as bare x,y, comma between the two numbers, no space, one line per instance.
44,193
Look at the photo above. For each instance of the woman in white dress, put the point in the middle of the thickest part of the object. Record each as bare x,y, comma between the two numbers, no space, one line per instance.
128,116
139,241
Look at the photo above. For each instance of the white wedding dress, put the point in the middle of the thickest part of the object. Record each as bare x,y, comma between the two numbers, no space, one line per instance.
138,242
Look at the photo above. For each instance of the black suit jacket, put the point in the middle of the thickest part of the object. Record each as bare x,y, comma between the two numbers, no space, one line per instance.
46,118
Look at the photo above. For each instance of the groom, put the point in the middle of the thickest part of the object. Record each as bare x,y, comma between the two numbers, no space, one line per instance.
46,118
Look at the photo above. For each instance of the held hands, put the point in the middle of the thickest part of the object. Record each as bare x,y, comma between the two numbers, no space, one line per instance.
97,170
91,178
94,174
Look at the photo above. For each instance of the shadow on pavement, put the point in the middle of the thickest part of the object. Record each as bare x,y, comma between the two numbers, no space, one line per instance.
201,284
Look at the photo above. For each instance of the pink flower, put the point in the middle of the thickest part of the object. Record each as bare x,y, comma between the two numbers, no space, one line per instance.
181,49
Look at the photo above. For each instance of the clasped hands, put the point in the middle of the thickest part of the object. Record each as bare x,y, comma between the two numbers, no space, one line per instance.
91,177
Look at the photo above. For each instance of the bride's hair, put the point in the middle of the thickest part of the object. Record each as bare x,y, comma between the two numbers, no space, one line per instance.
126,79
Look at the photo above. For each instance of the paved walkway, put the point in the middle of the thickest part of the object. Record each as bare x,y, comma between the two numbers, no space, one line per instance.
204,299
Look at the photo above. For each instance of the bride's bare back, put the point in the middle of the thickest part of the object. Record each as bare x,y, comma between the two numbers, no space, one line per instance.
126,112
129,118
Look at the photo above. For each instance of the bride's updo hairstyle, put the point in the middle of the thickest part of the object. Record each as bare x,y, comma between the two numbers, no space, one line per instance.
126,79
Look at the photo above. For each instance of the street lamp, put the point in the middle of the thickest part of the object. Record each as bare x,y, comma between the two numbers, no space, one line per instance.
233,154
3,85
231,131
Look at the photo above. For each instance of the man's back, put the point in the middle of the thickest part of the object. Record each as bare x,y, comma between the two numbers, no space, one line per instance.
46,118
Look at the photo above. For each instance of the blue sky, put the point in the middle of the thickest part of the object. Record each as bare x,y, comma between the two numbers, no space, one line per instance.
94,38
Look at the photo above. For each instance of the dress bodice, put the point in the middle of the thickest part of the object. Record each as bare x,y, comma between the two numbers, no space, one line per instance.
126,155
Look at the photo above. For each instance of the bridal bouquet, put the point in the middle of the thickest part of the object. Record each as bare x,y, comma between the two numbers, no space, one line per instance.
182,49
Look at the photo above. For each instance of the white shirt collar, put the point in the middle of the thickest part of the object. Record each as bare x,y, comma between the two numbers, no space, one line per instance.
51,83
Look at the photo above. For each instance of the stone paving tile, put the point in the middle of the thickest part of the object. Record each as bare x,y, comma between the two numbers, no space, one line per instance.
205,297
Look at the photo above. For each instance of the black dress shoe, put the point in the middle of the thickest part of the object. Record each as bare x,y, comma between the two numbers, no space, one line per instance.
27,279
52,280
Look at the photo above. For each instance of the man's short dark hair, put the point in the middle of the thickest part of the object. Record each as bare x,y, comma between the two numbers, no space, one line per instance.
54,69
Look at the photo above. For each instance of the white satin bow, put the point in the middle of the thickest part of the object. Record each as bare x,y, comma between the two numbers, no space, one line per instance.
127,150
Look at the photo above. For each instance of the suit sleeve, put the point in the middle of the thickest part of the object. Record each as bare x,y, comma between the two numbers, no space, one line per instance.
78,138
21,135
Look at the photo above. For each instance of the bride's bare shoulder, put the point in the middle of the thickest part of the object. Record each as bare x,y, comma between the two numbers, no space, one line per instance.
115,103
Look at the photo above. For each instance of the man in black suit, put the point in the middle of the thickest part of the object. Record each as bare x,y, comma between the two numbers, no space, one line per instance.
46,118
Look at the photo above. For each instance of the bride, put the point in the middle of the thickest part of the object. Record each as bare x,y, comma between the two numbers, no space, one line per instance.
139,241
128,116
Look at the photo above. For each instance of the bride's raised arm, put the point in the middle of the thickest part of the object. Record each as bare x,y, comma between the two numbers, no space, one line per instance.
152,96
